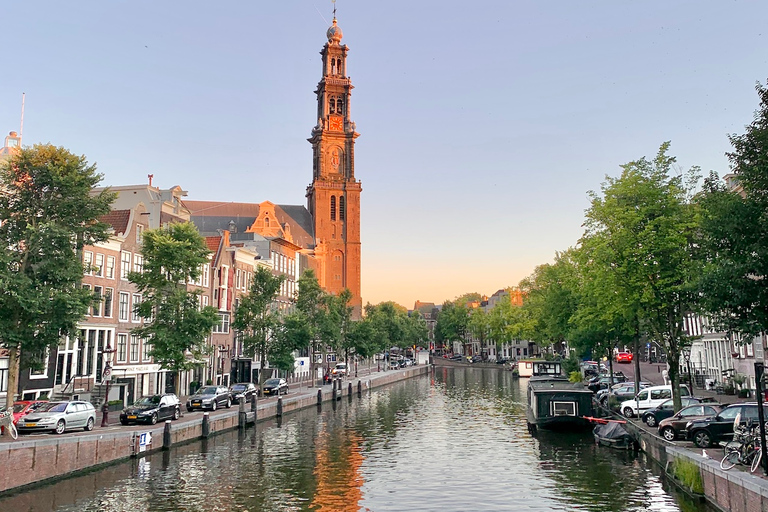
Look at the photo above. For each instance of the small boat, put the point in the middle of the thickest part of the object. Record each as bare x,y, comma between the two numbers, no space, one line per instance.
554,403
614,435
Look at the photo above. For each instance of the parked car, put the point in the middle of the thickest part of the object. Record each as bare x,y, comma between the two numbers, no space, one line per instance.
676,426
394,365
604,381
649,398
622,391
151,409
652,417
59,416
456,357
209,397
624,357
24,407
242,391
340,370
710,431
275,387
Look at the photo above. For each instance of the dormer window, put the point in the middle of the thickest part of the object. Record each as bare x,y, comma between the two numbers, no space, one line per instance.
266,221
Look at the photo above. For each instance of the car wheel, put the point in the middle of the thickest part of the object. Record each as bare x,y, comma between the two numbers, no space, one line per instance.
61,427
628,412
153,419
123,423
229,403
668,433
176,413
189,409
650,420
702,439
214,404
89,425
285,392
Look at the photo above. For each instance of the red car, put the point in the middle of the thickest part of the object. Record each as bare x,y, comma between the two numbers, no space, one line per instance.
624,357
24,407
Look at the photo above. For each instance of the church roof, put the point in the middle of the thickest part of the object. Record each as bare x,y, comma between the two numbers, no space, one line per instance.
212,216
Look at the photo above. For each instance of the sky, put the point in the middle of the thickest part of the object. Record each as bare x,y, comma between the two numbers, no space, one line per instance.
483,124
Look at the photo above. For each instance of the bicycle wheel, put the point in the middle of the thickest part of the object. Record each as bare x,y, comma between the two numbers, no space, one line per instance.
757,455
730,459
12,430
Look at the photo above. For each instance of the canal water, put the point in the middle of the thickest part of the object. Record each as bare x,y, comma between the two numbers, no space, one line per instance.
454,441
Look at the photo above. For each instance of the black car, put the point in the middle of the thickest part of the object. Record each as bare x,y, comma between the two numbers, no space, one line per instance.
242,391
275,387
652,417
210,397
456,357
710,431
604,381
151,409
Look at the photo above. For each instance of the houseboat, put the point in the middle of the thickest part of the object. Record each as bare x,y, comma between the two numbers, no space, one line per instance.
554,403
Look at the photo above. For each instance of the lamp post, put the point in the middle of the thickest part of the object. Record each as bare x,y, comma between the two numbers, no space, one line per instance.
687,357
106,375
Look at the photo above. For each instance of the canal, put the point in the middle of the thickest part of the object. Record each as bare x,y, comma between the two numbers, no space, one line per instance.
454,441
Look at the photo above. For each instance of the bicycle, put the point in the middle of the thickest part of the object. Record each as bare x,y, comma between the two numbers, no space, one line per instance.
6,424
744,449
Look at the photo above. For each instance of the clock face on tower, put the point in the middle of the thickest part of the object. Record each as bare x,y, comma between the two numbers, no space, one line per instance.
336,123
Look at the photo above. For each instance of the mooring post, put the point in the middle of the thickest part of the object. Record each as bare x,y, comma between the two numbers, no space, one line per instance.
349,389
319,397
206,425
359,388
167,435
279,406
242,418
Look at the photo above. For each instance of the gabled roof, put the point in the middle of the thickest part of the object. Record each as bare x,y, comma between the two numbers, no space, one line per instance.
118,219
210,217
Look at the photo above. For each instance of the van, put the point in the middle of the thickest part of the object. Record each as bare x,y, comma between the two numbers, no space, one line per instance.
649,398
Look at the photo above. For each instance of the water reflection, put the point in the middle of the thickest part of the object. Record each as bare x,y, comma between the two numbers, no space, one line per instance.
453,441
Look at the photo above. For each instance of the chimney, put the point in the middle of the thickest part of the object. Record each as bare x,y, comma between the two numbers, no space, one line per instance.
150,176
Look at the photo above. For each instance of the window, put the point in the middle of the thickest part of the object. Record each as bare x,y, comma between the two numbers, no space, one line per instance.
138,263
88,262
122,347
224,275
96,306
108,302
123,307
147,346
3,375
206,274
340,106
139,232
237,279
110,270
333,207
205,300
266,222
332,105
125,265
341,208
136,301
223,325
134,348
99,265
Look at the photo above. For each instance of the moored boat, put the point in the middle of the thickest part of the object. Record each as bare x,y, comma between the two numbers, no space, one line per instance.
554,403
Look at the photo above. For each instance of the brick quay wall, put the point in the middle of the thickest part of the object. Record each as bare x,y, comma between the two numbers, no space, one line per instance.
35,461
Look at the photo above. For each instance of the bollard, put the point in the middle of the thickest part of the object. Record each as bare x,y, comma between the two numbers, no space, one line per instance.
206,425
242,418
167,435
359,388
349,389
319,397
279,406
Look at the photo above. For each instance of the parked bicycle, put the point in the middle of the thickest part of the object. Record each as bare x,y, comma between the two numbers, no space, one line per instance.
743,449
6,424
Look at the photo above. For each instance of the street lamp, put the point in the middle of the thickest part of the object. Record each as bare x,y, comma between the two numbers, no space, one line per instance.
106,375
686,352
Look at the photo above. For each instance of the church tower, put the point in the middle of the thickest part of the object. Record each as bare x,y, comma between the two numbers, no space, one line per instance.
333,198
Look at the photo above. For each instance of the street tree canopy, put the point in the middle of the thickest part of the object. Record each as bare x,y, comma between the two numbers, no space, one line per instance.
47,214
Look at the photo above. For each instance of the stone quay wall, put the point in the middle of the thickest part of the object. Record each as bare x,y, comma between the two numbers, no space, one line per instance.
35,461
735,490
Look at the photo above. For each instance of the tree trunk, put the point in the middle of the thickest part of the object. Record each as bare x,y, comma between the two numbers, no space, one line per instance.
636,360
176,384
673,361
13,376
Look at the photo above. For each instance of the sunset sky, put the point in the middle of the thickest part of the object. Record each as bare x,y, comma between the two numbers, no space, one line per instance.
483,124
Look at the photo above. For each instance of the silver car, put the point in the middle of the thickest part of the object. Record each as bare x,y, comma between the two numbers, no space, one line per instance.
59,416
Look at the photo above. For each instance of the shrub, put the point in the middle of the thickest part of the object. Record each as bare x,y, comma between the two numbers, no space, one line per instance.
688,474
574,376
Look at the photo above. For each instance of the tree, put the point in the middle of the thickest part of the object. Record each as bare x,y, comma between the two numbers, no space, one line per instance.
258,322
47,216
734,287
642,233
311,312
452,323
174,322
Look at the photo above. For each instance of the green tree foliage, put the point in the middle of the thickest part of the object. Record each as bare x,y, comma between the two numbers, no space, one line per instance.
452,323
642,232
174,322
48,214
734,287
308,322
259,323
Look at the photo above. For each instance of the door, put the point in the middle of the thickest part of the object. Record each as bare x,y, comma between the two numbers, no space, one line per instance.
164,411
683,417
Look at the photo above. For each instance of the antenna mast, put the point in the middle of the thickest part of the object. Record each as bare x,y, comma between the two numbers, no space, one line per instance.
21,128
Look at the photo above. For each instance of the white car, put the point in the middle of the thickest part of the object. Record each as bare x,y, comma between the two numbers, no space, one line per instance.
649,398
340,369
